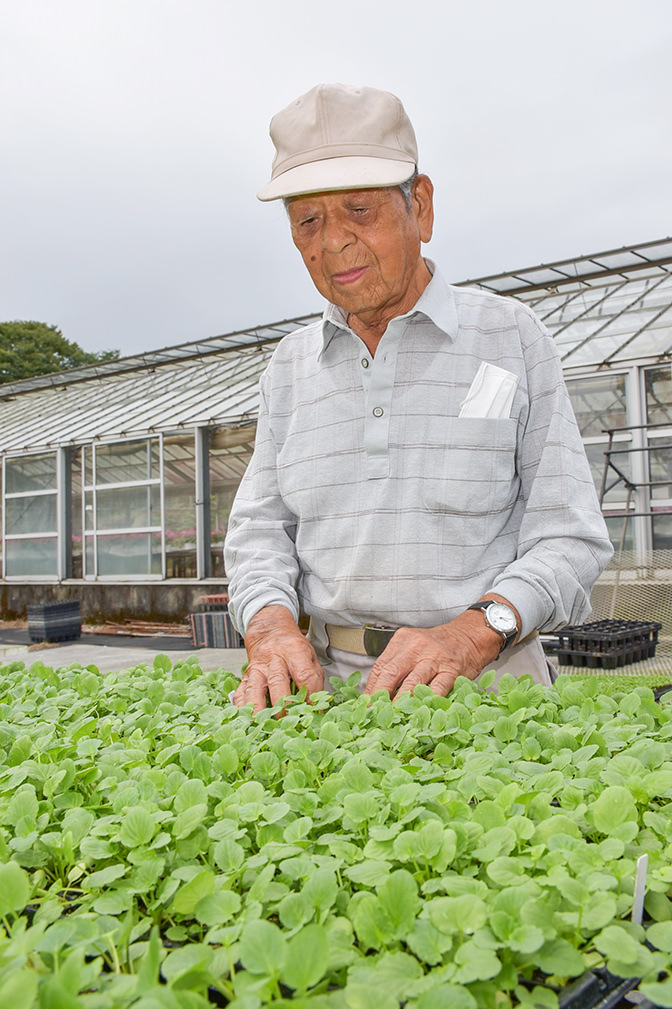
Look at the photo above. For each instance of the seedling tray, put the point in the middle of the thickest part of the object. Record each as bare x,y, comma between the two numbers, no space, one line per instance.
596,989
54,621
214,630
210,603
606,644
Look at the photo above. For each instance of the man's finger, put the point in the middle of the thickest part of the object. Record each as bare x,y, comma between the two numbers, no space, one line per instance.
443,683
254,686
422,673
311,677
279,683
387,677
238,697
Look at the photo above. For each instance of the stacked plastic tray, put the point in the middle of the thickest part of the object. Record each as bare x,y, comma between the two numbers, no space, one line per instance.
606,644
211,626
54,621
213,603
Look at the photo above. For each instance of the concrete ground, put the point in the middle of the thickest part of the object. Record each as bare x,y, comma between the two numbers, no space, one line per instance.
114,652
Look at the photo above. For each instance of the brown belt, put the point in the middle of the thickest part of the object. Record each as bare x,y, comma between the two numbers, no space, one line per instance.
372,639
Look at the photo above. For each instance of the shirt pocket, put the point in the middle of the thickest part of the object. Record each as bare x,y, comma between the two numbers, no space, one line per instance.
470,465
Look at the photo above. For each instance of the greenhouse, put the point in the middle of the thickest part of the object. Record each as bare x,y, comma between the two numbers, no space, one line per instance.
117,479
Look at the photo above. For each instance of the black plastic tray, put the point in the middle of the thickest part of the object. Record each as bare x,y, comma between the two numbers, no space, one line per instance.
606,644
54,621
596,989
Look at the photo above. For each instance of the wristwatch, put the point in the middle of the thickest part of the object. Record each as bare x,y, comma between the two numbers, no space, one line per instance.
501,618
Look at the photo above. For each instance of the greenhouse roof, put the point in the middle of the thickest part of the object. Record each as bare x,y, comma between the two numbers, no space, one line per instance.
208,383
604,310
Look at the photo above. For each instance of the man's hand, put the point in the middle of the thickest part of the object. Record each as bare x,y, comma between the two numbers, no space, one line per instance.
278,654
436,656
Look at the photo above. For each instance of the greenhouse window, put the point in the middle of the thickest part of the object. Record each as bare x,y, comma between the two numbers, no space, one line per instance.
122,509
30,516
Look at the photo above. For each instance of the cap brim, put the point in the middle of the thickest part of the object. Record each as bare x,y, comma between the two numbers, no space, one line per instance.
337,173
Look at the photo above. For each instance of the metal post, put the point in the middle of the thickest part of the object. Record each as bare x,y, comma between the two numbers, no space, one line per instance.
64,513
202,490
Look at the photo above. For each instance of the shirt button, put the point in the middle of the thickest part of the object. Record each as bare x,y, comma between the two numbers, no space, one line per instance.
378,411
365,362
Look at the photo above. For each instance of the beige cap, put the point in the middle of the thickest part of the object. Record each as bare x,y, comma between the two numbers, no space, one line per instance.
340,137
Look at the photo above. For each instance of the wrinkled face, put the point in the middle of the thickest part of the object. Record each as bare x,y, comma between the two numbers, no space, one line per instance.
362,246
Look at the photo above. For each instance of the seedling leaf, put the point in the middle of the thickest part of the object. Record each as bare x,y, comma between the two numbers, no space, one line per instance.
306,959
263,948
14,888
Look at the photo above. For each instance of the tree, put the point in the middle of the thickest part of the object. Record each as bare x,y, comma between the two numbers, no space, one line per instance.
34,348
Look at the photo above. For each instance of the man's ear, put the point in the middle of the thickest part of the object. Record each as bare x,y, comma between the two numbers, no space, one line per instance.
423,205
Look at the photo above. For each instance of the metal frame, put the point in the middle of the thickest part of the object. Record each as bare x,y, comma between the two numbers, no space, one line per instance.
64,513
95,532
202,502
255,338
14,537
582,270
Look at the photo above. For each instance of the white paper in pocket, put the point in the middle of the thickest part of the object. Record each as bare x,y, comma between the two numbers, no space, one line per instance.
491,393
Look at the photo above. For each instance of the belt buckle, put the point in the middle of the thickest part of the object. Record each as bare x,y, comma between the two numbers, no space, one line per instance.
377,638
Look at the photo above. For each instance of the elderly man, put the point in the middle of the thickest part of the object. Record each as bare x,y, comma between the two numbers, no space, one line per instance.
417,462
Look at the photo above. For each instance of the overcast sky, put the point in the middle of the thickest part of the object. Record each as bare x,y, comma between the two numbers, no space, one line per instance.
134,136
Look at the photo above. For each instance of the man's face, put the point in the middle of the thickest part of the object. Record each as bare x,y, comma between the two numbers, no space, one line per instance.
362,246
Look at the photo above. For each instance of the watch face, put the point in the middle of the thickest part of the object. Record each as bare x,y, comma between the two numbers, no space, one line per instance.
502,618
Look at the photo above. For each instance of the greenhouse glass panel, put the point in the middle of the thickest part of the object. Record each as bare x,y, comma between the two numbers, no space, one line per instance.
31,557
616,525
30,507
662,530
129,554
35,514
655,340
179,502
593,351
88,510
599,403
30,473
221,499
660,467
122,493
560,310
155,459
230,453
89,556
128,507
127,462
596,461
181,562
658,389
